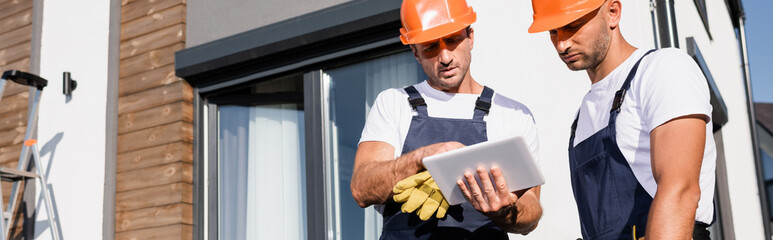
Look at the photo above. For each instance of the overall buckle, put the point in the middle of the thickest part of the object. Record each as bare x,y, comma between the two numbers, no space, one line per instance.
415,102
482,105
618,102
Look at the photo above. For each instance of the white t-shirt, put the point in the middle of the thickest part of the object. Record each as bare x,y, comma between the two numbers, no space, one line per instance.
667,85
390,117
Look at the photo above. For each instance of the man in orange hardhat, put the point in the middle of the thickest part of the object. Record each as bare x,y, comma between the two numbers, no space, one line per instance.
446,112
641,151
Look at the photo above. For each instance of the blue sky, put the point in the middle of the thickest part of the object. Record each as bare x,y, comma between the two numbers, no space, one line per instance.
759,33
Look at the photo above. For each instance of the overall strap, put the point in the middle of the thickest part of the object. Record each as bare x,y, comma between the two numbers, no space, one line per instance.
620,94
416,101
616,103
483,104
574,129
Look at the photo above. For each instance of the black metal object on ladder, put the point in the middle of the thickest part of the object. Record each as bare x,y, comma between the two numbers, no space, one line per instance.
29,149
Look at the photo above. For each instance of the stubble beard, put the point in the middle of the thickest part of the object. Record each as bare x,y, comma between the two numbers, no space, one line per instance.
449,83
598,51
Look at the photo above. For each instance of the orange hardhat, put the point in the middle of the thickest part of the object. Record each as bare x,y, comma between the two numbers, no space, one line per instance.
427,20
553,14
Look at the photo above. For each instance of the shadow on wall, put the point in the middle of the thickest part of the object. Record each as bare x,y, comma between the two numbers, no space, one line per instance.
50,149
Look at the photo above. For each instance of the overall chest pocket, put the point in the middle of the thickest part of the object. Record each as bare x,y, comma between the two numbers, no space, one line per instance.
596,194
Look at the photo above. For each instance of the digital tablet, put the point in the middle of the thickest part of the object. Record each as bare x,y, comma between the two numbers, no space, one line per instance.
511,155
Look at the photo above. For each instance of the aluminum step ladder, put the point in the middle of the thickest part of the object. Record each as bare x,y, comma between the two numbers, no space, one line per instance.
36,85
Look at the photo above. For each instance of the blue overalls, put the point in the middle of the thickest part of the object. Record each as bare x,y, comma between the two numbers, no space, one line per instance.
609,199
461,221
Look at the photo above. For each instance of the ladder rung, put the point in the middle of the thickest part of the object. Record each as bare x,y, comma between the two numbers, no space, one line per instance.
10,175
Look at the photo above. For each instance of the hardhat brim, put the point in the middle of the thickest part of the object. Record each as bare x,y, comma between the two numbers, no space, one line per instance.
438,31
546,23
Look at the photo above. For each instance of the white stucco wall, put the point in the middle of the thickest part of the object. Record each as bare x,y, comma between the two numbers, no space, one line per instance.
526,67
72,130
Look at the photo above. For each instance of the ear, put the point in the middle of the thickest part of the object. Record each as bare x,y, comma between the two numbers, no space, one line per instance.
471,35
415,53
614,13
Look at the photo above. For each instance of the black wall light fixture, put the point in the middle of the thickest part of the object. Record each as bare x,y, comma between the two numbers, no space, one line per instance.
68,84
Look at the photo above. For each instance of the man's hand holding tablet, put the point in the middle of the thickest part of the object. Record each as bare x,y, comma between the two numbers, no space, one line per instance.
510,158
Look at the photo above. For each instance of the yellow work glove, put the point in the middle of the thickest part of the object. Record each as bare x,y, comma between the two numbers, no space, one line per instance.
420,193
417,198
403,189
435,203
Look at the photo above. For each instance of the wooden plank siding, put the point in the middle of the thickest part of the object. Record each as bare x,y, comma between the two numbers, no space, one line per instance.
166,232
9,8
154,40
153,156
10,153
153,22
16,36
13,120
154,217
149,60
155,116
11,164
16,20
160,76
154,196
159,135
179,91
15,53
12,136
154,168
14,103
21,64
154,176
134,9
11,88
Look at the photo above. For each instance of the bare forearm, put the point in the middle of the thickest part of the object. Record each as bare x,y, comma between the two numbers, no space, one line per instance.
672,214
523,217
374,177
372,181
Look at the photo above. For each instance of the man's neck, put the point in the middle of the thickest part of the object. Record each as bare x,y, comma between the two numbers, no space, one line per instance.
617,53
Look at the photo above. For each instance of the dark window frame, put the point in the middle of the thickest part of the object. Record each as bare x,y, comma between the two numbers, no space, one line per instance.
700,5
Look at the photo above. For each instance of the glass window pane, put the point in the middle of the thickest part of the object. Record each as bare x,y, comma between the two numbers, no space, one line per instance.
261,172
352,90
